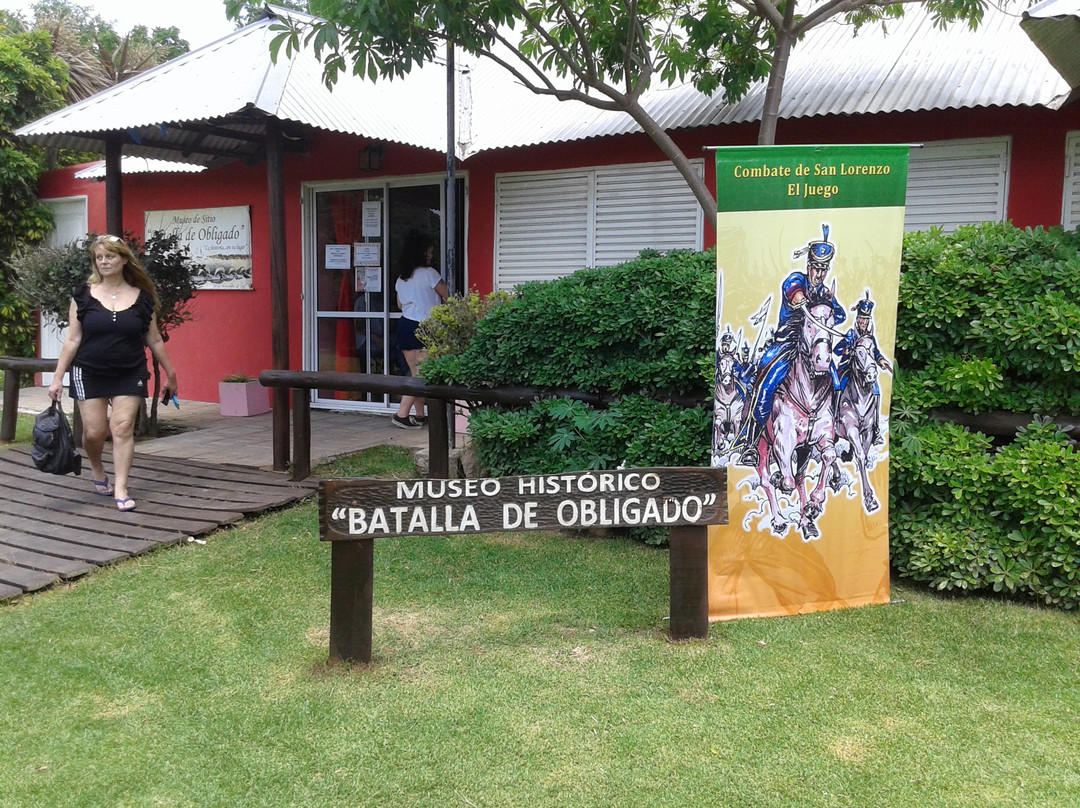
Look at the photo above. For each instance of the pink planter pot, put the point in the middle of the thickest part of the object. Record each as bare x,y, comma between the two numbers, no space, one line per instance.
243,398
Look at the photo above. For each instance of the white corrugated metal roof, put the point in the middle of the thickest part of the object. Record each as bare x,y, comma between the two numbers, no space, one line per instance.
915,66
204,101
138,165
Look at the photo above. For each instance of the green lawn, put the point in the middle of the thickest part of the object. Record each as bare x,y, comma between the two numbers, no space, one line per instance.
515,670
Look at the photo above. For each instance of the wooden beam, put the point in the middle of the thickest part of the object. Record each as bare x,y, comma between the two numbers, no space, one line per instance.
279,285
114,187
688,562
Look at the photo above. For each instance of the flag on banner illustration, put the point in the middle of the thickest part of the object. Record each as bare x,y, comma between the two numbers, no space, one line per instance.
808,251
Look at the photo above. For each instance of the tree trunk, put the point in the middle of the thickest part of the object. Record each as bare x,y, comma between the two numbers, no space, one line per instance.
668,146
770,112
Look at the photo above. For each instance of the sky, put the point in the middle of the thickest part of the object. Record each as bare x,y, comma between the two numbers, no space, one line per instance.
199,21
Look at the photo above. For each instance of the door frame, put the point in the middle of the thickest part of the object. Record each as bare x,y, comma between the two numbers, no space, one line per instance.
309,296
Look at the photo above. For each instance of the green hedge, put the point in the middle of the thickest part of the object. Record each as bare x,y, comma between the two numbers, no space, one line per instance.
987,321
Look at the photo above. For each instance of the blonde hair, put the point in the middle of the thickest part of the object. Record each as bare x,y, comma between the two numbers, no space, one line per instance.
134,272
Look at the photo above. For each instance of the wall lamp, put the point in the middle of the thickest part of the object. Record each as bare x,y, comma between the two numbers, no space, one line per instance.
371,158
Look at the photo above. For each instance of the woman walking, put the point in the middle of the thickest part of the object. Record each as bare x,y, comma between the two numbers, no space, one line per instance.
112,320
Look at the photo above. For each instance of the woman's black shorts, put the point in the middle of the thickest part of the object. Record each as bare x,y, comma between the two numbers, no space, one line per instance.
86,384
406,335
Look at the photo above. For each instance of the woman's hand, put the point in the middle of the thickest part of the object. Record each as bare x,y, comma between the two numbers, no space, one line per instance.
56,389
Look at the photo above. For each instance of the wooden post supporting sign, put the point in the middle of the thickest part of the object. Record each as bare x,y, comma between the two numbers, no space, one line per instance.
354,512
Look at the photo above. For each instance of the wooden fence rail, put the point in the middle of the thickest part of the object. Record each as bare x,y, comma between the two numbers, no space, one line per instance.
439,397
14,367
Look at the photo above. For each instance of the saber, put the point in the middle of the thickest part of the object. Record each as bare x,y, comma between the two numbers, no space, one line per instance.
758,318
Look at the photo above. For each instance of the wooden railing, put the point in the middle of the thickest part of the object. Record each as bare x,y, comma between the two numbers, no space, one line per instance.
438,396
14,367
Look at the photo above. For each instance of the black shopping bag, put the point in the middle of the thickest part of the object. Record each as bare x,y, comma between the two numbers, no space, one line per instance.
54,447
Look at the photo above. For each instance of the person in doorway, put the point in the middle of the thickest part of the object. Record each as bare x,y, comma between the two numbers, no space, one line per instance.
419,289
112,320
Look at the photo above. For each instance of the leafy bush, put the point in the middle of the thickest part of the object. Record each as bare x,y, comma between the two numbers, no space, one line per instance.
450,327
988,321
967,517
18,328
644,326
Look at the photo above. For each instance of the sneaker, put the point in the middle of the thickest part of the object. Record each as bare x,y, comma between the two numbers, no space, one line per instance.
408,422
420,420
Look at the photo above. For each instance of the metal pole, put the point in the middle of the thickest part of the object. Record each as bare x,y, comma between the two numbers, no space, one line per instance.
451,179
451,210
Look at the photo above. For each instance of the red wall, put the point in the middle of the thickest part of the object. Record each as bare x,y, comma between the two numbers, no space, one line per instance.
231,329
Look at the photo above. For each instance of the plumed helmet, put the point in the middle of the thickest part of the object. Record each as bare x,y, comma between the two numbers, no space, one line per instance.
819,252
865,307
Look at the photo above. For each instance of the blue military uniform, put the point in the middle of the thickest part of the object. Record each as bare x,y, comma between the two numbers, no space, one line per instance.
845,348
799,290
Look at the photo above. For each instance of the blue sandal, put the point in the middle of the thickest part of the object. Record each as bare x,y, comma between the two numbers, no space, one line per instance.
125,504
102,487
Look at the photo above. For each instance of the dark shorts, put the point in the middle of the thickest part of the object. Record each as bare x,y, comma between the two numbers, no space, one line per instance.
406,335
86,385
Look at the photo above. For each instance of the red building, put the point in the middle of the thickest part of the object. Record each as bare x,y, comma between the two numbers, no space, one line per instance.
543,188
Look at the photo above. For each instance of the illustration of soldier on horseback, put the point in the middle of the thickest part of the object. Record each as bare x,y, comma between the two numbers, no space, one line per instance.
811,387
730,394
789,416
859,406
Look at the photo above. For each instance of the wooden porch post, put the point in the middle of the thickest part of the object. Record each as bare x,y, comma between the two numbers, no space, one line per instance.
279,287
114,185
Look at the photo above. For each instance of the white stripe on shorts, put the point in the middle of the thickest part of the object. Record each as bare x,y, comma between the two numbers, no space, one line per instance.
77,382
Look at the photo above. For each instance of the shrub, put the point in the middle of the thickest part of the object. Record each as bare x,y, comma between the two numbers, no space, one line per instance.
18,327
968,517
988,319
986,322
450,327
644,326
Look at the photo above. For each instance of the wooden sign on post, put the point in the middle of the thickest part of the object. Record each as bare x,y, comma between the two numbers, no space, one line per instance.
355,511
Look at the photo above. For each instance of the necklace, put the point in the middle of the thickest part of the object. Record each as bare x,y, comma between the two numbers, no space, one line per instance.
113,296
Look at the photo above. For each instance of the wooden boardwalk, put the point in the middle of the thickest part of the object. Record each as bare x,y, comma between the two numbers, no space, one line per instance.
55,528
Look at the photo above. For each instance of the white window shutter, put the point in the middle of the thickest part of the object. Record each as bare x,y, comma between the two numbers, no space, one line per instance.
542,226
550,224
644,207
956,182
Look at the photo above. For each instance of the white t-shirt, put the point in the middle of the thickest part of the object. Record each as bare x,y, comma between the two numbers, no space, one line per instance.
417,295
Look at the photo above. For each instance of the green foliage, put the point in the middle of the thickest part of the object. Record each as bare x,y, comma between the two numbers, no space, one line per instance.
450,327
968,517
31,85
18,328
988,321
559,434
643,326
46,276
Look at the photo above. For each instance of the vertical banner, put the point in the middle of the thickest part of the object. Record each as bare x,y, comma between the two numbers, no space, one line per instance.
809,242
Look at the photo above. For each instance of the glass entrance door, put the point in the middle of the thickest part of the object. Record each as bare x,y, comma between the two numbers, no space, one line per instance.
358,234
